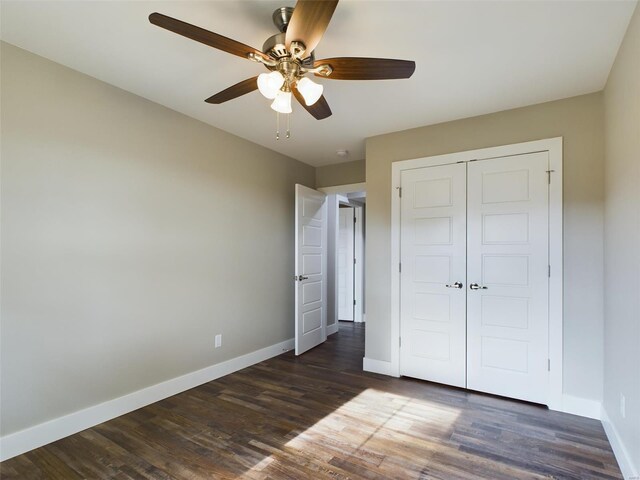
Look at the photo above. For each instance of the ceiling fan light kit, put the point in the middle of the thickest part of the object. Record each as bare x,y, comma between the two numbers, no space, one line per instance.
269,84
282,102
310,90
289,55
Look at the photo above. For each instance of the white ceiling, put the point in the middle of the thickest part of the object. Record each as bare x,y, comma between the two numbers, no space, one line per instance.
472,58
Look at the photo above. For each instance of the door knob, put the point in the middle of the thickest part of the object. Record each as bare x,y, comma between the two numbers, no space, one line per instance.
300,278
455,285
475,286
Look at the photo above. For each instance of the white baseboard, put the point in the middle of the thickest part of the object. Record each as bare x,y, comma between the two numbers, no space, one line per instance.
629,470
377,366
47,432
331,329
581,406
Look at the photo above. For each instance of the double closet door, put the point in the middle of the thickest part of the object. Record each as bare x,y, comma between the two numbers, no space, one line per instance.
474,278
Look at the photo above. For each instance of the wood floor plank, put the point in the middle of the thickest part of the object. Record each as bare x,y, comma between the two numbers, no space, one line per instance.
319,416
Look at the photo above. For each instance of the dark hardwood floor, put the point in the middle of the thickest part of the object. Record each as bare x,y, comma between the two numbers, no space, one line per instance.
320,416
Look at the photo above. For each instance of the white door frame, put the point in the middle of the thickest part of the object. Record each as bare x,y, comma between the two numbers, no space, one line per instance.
345,189
554,147
358,255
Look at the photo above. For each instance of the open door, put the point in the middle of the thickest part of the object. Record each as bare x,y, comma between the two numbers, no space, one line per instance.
311,268
346,255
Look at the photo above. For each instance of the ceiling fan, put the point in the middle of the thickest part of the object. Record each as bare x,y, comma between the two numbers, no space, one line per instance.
289,55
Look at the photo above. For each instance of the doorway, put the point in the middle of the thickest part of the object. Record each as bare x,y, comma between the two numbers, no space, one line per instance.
350,250
346,253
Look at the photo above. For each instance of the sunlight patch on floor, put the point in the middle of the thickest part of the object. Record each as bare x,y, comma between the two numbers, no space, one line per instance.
366,429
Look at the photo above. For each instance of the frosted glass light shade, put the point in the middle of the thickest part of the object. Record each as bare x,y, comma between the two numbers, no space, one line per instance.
282,102
269,84
310,90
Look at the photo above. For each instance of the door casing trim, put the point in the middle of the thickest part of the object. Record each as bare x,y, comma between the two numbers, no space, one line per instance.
554,147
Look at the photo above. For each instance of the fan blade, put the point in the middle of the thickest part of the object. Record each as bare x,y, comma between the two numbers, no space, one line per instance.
203,36
357,68
235,91
319,110
309,21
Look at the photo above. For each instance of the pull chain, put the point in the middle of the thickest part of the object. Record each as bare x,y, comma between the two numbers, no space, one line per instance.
288,125
288,131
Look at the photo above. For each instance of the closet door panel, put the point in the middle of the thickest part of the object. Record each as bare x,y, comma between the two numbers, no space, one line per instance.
432,252
507,247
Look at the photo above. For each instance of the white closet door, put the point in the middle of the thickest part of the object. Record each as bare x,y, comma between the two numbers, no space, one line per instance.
345,263
507,241
432,252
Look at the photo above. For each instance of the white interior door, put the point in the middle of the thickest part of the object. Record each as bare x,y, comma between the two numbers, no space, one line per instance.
358,267
345,263
433,274
507,272
311,268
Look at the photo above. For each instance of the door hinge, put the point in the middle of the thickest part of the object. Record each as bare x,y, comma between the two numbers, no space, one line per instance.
354,261
354,219
400,342
399,191
400,268
549,172
549,271
354,303
548,364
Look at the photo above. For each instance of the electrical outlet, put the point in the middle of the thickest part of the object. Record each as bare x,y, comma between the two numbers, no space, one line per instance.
623,406
218,340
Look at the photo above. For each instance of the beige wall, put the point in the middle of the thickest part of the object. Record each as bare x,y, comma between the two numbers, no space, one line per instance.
622,241
340,174
131,235
580,121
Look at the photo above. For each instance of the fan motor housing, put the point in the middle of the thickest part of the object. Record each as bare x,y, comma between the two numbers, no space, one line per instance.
275,47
